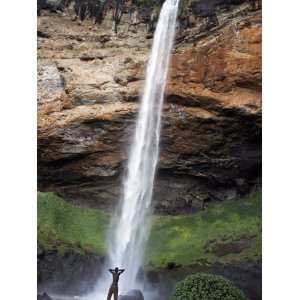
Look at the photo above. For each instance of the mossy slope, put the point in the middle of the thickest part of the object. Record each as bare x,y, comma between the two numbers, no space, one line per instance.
62,226
225,232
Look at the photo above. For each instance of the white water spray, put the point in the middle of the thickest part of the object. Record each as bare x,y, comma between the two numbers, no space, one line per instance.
130,228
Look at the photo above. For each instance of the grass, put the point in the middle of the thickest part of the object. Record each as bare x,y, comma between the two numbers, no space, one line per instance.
185,239
62,226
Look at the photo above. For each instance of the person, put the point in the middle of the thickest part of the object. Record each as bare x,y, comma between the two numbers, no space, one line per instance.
114,289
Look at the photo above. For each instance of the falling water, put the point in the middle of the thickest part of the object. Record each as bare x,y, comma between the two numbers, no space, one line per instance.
130,230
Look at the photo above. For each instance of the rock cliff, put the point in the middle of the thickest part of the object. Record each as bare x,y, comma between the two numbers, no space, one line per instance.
89,83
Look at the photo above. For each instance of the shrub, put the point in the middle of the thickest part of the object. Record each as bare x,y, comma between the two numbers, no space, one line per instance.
201,286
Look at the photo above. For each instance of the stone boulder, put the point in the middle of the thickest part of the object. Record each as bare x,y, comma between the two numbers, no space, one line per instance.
82,272
132,295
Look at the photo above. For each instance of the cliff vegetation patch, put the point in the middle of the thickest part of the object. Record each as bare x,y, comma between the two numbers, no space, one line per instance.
226,231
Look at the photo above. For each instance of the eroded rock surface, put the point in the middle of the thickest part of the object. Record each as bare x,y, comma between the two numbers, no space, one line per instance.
69,273
44,296
89,82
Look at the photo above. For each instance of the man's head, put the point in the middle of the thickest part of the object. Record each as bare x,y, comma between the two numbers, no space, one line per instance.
116,269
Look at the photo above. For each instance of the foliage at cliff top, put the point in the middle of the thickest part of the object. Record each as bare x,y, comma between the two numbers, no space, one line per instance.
201,286
225,232
148,3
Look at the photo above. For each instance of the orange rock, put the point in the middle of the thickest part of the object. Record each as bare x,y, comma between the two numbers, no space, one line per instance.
88,88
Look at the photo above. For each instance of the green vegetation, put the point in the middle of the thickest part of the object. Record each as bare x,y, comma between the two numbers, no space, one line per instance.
203,286
225,232
63,226
231,226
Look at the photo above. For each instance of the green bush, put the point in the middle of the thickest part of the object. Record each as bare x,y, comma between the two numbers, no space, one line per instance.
203,286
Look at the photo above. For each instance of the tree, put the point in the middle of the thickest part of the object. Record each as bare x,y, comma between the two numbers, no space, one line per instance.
117,13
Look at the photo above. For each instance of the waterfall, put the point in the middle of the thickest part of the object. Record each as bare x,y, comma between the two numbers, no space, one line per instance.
129,227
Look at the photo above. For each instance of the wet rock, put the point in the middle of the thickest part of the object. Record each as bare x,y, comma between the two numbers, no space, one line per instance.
137,294
44,296
69,273
132,295
40,251
172,265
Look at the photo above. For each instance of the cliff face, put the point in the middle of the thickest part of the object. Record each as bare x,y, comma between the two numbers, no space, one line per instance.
89,82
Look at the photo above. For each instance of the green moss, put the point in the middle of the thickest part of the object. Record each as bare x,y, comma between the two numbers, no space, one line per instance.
63,226
187,239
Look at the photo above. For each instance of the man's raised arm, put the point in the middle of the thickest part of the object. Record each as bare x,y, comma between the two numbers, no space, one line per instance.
111,270
121,271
